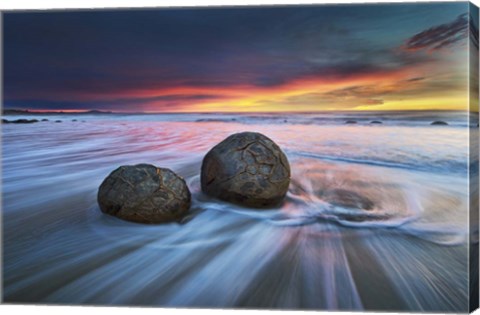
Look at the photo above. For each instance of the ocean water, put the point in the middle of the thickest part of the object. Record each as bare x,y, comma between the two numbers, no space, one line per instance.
409,252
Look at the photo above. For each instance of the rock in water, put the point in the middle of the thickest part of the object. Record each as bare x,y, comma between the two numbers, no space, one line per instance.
19,121
144,193
439,123
248,169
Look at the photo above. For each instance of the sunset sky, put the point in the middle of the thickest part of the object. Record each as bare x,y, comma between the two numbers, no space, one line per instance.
310,58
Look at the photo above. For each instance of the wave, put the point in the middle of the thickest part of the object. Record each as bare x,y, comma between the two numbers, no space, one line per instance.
438,165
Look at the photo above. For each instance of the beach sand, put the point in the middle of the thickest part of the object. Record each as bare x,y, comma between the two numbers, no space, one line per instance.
410,252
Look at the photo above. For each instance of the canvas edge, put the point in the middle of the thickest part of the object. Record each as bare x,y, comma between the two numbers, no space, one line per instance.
473,108
473,174
1,160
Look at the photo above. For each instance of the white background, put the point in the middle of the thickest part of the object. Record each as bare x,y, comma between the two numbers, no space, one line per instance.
49,4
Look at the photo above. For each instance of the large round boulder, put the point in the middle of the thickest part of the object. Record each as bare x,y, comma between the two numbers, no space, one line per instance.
144,193
248,169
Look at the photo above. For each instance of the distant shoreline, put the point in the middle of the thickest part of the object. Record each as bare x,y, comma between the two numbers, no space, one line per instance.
33,112
7,112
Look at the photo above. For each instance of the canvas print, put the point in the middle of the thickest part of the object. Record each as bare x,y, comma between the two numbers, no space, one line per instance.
320,157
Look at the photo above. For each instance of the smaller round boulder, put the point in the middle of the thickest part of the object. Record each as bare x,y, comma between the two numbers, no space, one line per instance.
248,169
144,193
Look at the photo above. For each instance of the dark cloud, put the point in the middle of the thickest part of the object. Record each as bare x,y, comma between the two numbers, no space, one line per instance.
416,79
163,102
85,55
441,36
104,52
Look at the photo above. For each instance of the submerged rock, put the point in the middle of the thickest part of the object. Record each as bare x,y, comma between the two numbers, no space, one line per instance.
376,122
248,169
144,193
439,123
347,199
351,122
19,121
44,119
58,121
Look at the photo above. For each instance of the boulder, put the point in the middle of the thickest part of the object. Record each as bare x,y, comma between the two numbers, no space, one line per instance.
375,122
19,121
144,193
439,123
248,169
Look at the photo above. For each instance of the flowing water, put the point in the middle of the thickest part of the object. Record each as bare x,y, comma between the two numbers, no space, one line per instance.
409,252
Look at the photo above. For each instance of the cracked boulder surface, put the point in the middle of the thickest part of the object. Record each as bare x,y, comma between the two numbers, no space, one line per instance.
248,169
144,193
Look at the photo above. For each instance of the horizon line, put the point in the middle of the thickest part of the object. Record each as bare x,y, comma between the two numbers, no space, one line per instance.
86,111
